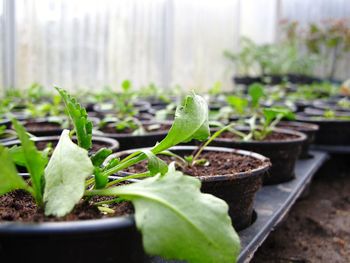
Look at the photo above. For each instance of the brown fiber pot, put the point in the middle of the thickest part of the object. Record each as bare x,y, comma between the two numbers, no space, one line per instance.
283,154
238,190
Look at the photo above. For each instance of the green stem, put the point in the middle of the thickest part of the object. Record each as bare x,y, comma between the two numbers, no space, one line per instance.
124,164
125,178
216,134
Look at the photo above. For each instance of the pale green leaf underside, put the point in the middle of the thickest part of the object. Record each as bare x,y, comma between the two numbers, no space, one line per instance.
178,221
65,176
191,122
9,178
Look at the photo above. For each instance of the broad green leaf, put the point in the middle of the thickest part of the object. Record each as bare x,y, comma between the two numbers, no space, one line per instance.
18,157
256,92
65,176
155,164
271,113
100,156
191,122
239,104
126,85
9,178
178,221
79,117
35,162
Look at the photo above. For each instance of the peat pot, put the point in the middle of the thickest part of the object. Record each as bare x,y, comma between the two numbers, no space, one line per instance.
101,240
309,129
237,189
8,135
131,141
97,142
283,154
331,131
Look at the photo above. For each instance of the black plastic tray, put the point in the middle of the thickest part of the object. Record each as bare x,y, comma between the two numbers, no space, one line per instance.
335,149
272,204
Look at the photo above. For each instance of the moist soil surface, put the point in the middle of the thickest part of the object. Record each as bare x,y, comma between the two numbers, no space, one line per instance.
214,163
148,128
274,136
20,206
317,229
42,126
95,145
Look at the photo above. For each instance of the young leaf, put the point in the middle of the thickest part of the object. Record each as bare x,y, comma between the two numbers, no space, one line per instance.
9,178
79,117
100,156
35,162
155,165
271,113
239,104
65,176
191,122
197,230
256,92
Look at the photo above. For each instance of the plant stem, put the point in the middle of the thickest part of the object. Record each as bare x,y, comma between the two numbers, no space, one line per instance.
125,178
216,134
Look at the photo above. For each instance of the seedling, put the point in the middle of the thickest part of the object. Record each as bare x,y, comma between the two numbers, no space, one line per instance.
158,200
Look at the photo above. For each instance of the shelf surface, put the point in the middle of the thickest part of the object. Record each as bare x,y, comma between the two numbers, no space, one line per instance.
335,149
272,204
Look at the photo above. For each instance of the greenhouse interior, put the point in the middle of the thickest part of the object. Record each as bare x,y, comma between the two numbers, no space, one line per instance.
172,131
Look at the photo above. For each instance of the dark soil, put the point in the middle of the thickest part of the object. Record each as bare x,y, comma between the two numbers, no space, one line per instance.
318,226
219,163
149,129
20,206
41,126
95,145
274,136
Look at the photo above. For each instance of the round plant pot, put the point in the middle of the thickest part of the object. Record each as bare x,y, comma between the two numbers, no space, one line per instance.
282,153
131,141
246,80
330,105
108,108
45,127
308,128
6,122
9,135
331,131
101,240
97,142
237,189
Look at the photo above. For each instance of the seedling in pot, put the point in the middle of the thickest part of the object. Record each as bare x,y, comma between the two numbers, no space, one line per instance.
177,221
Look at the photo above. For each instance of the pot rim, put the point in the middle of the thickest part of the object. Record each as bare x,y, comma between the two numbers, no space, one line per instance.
308,118
66,227
205,178
307,125
114,143
301,138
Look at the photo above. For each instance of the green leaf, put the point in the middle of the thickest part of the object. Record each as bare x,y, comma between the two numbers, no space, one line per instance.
35,162
126,85
155,164
79,117
239,104
9,178
271,113
191,122
65,176
100,156
178,221
256,92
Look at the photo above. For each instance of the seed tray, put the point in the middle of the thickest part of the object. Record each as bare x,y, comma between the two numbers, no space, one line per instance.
332,149
272,205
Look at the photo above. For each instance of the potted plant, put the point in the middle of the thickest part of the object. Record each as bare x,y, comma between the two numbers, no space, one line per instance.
230,174
132,133
281,146
168,205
